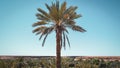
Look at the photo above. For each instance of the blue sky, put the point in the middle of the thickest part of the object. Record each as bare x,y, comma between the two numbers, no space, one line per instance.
101,19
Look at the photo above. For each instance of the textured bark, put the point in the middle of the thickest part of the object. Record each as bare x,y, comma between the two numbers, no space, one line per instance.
58,48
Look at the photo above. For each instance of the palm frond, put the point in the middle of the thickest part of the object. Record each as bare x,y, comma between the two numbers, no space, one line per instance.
42,17
37,33
57,5
36,30
39,23
78,28
47,30
41,36
77,16
41,28
70,10
48,7
43,33
70,22
70,14
43,12
63,7
68,40
64,40
66,31
54,13
44,39
74,16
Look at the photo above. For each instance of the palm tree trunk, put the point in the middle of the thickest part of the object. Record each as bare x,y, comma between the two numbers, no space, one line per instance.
58,48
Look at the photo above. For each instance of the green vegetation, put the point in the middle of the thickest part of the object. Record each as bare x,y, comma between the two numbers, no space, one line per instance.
49,62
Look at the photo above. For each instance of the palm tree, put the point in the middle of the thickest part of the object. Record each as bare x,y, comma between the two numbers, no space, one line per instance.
57,19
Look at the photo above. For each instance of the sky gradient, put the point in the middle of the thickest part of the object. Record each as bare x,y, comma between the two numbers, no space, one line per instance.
101,19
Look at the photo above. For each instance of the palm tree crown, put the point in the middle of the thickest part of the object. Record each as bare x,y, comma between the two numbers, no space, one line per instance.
59,18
